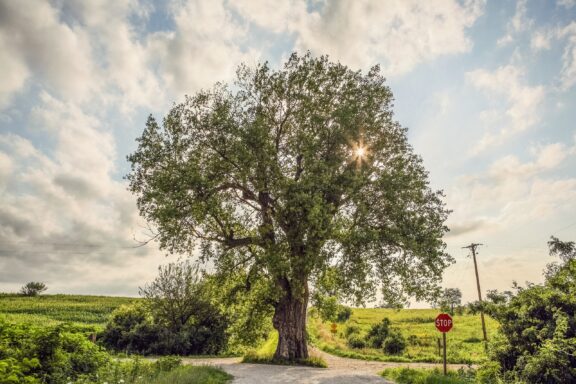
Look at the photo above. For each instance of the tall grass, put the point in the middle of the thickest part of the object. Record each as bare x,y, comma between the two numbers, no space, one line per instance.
427,376
191,375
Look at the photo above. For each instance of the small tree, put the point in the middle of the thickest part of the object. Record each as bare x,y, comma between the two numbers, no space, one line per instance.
175,295
33,288
450,298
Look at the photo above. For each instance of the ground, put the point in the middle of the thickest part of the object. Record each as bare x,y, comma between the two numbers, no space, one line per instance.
340,370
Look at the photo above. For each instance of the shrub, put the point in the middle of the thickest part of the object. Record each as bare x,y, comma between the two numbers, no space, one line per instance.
355,341
413,340
33,288
51,355
488,373
537,341
168,363
351,329
378,333
394,343
132,329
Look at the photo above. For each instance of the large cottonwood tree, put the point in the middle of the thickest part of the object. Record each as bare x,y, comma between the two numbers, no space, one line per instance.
286,173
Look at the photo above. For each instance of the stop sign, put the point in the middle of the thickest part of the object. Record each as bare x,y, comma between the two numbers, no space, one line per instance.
443,322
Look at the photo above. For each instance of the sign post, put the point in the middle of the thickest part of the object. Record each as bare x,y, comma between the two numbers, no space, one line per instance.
444,324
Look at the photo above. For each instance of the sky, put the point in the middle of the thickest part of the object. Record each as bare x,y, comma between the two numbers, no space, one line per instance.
486,89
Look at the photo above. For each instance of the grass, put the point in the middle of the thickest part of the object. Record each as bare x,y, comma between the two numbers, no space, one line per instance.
464,341
427,376
265,355
56,309
192,375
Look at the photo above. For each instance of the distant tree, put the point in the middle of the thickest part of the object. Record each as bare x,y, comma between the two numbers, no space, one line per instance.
451,297
289,172
565,250
33,288
495,297
390,304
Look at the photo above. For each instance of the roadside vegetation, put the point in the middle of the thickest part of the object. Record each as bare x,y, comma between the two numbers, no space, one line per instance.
411,328
428,376
32,354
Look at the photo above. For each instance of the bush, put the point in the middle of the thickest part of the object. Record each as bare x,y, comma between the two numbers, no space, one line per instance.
394,343
33,288
51,355
413,340
132,329
357,342
350,330
378,333
537,340
63,354
488,373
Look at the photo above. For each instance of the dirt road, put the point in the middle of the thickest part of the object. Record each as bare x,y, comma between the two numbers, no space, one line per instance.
279,374
340,370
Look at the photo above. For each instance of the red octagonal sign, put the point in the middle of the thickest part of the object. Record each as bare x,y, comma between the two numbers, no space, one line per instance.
443,322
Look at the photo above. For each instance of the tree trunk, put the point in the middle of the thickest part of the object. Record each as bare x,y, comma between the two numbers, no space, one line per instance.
290,322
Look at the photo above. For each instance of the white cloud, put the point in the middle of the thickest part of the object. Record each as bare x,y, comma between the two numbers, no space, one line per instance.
275,16
67,209
519,23
512,192
398,34
568,71
204,48
541,40
566,3
35,42
522,103
125,59
11,63
6,167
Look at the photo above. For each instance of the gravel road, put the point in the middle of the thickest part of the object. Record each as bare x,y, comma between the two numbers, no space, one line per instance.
340,370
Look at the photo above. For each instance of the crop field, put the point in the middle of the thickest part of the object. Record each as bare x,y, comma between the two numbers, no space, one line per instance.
416,325
464,341
55,309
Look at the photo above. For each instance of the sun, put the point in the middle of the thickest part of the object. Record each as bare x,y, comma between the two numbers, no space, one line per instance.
360,152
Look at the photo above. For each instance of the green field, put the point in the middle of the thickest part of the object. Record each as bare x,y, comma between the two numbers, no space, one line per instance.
417,326
464,341
55,309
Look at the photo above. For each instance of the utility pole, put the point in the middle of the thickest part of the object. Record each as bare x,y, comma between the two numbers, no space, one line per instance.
472,248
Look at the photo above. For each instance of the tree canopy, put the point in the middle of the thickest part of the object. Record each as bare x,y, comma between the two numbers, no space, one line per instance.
287,172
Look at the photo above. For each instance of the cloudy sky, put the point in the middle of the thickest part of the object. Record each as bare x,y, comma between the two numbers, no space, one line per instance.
486,88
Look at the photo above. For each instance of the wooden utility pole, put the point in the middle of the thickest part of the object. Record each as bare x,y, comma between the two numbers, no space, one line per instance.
472,248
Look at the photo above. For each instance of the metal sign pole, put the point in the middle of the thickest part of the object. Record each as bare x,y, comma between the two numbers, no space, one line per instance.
444,337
